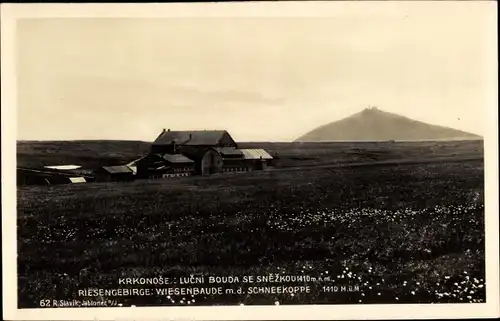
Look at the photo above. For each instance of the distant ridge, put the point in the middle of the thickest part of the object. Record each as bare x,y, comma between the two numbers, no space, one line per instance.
373,124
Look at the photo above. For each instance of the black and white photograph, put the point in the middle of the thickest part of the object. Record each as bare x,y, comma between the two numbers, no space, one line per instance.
232,157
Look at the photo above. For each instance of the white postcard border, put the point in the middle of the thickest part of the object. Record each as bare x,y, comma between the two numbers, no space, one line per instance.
11,12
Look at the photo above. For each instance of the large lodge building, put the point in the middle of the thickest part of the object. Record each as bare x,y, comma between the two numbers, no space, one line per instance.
200,152
172,154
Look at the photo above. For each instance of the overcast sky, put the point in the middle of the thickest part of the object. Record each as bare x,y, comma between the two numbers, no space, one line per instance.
270,79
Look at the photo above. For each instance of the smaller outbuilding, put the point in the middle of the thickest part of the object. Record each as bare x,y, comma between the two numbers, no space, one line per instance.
32,176
164,165
257,157
114,173
232,159
206,160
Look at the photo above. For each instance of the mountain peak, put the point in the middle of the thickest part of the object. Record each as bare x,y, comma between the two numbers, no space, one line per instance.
374,124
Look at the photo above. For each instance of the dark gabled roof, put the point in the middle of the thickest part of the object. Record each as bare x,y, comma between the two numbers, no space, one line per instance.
192,137
229,151
177,159
120,169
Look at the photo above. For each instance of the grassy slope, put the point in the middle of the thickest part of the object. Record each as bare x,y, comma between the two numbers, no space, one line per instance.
90,154
413,223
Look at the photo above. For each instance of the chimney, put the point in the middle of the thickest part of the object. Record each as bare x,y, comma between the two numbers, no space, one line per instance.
163,131
190,136
168,129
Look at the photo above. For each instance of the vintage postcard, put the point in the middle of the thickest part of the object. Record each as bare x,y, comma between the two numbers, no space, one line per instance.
258,161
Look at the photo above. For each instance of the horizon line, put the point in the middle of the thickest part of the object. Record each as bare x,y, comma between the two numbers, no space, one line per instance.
479,137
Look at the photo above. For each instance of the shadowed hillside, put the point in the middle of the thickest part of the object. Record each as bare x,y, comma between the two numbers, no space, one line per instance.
372,124
87,153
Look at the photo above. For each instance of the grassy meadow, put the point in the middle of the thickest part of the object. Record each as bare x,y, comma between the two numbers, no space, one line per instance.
408,230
